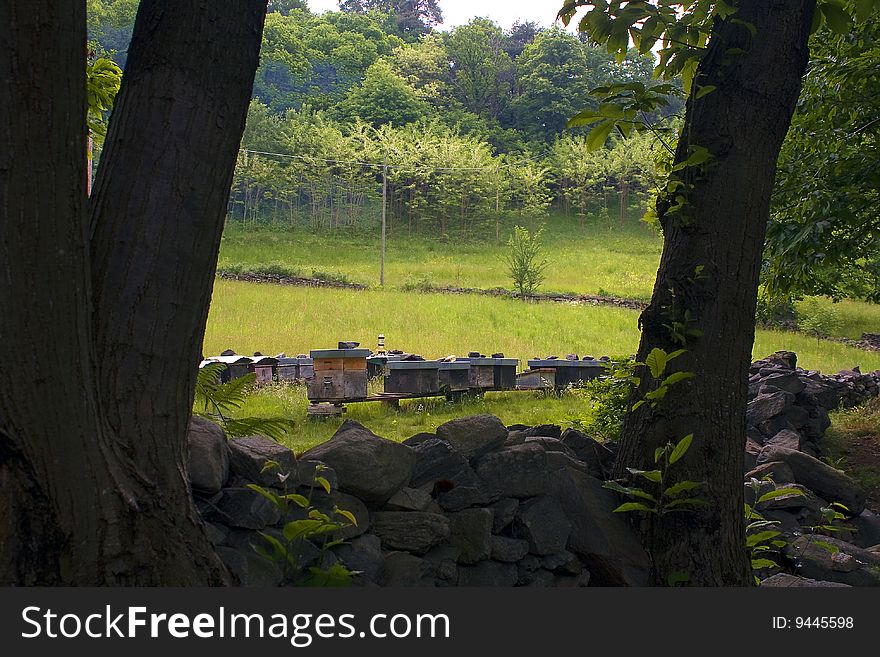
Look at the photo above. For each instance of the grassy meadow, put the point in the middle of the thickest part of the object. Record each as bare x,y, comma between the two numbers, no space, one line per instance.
271,318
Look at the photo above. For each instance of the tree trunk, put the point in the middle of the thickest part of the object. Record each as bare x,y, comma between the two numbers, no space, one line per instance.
109,313
705,294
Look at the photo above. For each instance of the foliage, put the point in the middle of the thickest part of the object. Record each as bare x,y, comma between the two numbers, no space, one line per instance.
304,523
103,77
667,497
817,318
383,98
525,264
774,311
218,401
825,226
413,18
609,397
763,536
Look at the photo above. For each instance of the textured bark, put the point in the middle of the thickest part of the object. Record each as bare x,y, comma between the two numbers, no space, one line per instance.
721,229
106,313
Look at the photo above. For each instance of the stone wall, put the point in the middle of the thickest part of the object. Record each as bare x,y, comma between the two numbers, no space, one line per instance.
481,504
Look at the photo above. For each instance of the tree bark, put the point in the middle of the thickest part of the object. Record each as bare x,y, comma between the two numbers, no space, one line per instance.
107,312
705,294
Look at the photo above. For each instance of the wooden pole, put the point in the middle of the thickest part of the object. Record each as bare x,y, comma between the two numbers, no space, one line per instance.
384,206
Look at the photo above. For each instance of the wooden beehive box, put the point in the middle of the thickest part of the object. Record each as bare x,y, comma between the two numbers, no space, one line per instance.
570,372
236,366
416,377
454,376
295,369
493,373
264,367
339,374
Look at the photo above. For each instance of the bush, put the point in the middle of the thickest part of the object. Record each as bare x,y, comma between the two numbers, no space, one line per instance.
774,311
609,400
817,317
331,276
418,282
524,264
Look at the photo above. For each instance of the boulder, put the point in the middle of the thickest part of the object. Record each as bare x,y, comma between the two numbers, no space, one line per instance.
539,578
409,499
250,569
604,540
488,573
503,513
509,550
542,522
768,406
418,439
785,381
367,466
363,555
250,456
777,471
563,563
551,445
515,437
207,456
787,438
829,559
470,531
404,569
475,435
339,500
785,580
597,456
436,460
247,509
463,497
828,483
444,564
518,471
309,471
548,430
867,526
413,531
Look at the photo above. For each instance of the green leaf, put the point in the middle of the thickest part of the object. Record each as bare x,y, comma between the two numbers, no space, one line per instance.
681,487
837,17
587,117
265,493
348,515
639,403
760,564
598,135
299,500
323,483
633,506
761,537
705,90
656,362
677,577
650,475
299,528
658,453
681,448
779,492
864,9
828,547
677,377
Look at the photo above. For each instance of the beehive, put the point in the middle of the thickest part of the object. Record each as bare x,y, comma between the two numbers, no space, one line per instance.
454,376
416,377
492,373
570,372
339,374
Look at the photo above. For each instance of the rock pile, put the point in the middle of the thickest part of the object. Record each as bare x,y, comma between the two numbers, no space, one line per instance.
481,504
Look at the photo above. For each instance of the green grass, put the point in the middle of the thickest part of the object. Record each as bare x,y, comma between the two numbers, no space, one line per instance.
853,444
856,317
248,317
599,258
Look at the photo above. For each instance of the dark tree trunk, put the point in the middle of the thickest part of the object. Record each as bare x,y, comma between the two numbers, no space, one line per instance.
108,313
705,294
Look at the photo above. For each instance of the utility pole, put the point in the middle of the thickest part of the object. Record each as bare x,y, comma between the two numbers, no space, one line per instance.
384,210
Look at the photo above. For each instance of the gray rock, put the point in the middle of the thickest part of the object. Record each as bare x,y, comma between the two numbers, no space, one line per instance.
249,457
785,580
515,437
800,497
363,555
518,471
786,381
529,563
786,438
367,466
207,456
542,522
470,531
409,499
504,511
475,435
509,550
413,531
418,439
559,460
247,509
867,525
488,573
249,568
778,472
829,559
604,540
828,483
436,460
750,459
551,445
539,578
404,569
548,430
444,562
216,533
463,497
339,500
596,455
564,563
766,407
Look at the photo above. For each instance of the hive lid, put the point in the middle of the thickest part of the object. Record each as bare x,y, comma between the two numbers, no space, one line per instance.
413,365
506,362
558,362
340,353
230,360
454,365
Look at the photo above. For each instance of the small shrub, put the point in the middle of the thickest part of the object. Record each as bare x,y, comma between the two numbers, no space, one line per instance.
423,282
524,263
816,317
609,399
331,276
774,312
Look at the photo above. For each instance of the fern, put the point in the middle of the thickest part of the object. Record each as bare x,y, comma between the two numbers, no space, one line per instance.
219,401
